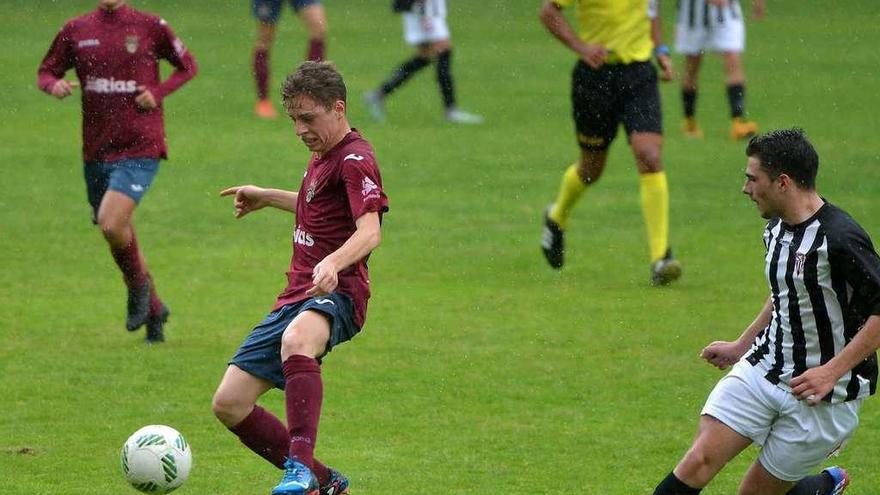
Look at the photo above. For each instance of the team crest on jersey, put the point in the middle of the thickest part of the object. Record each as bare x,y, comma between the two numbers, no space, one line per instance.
799,260
310,193
131,43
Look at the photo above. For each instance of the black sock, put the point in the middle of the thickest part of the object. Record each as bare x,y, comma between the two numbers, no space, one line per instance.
402,73
736,96
821,483
444,78
689,100
674,486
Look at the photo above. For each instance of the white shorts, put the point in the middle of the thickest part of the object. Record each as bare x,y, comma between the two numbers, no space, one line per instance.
419,29
709,33
794,436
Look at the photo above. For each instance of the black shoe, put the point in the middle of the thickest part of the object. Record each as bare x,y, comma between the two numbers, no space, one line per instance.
155,324
552,241
665,270
138,306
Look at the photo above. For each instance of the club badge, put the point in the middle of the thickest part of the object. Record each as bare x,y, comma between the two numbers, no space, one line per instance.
311,192
131,43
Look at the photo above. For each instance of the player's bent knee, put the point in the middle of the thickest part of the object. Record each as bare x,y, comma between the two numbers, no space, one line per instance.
228,409
294,342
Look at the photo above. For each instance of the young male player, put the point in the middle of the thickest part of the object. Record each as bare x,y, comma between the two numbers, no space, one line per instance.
338,209
267,13
115,51
714,26
614,82
424,26
803,367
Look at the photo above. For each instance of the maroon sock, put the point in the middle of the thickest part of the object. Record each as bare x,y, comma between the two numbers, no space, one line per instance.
321,472
155,302
263,433
261,72
316,50
303,393
130,262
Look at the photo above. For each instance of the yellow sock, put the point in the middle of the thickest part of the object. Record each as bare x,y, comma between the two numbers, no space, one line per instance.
570,191
655,208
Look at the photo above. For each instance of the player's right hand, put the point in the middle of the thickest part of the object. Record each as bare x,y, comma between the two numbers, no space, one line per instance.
247,199
594,55
63,88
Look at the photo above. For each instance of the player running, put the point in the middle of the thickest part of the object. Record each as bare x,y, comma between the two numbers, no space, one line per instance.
115,52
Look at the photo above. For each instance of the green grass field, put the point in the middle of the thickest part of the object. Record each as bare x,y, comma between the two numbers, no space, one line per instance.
480,370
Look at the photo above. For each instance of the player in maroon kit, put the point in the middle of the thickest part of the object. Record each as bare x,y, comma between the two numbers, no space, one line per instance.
338,211
115,51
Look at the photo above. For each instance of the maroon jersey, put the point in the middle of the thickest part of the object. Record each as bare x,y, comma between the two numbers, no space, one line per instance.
337,189
114,52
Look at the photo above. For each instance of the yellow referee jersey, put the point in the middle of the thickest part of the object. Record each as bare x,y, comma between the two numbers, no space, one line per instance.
621,26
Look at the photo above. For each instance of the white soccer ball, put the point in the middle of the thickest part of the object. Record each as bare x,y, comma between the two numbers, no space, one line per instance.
156,459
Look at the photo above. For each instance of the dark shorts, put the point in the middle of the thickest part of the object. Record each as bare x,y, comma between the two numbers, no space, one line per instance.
260,353
603,99
131,177
270,10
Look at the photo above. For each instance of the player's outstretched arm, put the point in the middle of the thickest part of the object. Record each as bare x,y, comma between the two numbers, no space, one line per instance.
552,19
252,198
815,383
366,237
722,354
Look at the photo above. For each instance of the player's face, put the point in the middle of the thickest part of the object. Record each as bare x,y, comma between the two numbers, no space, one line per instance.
110,4
761,189
318,128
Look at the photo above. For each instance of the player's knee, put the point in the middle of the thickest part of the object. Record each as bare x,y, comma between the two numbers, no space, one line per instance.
294,342
114,229
228,409
649,159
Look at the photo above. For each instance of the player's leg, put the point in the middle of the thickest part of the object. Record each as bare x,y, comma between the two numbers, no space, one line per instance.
126,183
689,82
596,121
312,14
735,82
831,481
642,120
267,13
441,50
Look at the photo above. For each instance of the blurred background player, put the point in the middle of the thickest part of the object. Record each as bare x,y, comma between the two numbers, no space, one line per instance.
802,368
338,211
714,26
424,26
614,82
115,52
267,12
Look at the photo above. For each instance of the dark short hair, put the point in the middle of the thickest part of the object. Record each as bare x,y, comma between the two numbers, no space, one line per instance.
786,151
319,81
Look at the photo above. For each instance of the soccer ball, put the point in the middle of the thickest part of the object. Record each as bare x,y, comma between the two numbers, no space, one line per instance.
156,459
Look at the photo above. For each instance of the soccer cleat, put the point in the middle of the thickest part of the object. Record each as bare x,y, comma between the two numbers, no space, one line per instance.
338,484
155,325
840,477
741,129
375,104
552,241
265,109
665,270
691,128
297,480
457,116
138,306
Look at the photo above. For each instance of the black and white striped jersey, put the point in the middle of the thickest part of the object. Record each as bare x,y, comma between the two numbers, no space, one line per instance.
702,14
824,277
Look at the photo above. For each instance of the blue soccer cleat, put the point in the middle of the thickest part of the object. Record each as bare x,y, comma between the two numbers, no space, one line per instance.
840,477
297,480
338,484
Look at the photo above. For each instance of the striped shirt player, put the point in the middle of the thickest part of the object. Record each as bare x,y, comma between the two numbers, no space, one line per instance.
716,26
803,367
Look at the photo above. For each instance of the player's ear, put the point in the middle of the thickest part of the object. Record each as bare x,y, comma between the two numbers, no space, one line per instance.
339,106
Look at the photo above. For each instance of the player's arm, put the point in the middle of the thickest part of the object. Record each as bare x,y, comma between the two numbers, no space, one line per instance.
552,18
58,60
722,354
366,237
661,51
252,198
185,68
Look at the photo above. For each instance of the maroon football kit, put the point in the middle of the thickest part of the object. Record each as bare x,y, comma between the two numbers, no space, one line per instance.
113,53
338,188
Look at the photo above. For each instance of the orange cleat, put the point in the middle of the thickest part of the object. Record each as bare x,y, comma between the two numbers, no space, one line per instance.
265,110
742,129
691,128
